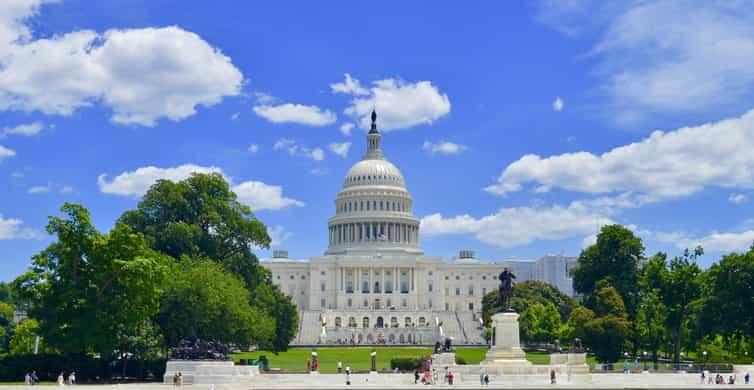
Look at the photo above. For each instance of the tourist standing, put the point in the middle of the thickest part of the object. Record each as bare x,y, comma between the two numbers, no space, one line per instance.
625,366
416,376
180,378
34,377
61,379
702,375
348,377
486,379
552,376
340,366
27,379
72,378
450,377
746,378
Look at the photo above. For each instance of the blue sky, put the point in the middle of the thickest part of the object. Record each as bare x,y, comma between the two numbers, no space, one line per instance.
520,127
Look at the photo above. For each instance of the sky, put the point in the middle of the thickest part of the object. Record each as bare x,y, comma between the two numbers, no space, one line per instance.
520,127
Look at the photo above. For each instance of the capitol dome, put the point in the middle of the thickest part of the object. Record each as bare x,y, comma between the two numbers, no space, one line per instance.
373,209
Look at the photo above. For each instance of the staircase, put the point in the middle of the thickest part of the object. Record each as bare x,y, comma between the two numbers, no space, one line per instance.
309,329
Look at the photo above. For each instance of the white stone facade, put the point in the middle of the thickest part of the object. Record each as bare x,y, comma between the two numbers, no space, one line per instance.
375,285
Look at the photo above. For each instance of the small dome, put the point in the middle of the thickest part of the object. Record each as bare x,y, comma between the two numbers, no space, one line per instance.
374,172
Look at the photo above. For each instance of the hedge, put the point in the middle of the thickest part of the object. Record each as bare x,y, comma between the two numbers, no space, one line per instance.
87,368
406,363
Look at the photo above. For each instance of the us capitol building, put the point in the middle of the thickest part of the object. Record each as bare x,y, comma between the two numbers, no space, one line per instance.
374,284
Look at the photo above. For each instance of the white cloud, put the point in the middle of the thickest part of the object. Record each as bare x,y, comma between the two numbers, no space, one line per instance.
11,229
341,149
260,196
443,147
278,235
664,165
28,129
40,189
136,183
400,104
66,190
5,152
296,113
667,55
295,149
255,194
349,86
713,242
235,116
737,198
346,128
253,148
142,75
263,98
558,104
511,227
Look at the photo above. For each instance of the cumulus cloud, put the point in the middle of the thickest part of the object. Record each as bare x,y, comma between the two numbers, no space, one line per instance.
278,235
5,153
255,194
349,86
142,75
399,104
11,229
260,196
518,226
737,198
713,242
346,128
341,149
667,55
295,149
443,147
28,129
296,113
664,165
558,104
253,148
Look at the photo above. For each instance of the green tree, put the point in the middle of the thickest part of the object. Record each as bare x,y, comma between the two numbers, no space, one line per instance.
24,338
92,292
681,291
204,300
200,217
528,293
576,324
540,323
614,258
606,334
6,325
650,322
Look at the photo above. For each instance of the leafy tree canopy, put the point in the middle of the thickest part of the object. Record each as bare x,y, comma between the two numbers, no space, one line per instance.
540,323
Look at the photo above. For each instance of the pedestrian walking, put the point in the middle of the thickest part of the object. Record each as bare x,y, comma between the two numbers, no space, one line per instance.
348,378
61,379
27,379
416,376
486,379
552,376
34,377
450,377
72,378
746,377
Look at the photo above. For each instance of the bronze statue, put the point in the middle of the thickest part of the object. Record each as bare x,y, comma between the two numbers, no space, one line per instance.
506,289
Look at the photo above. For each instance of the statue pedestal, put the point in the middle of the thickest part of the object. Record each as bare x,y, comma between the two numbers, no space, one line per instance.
209,372
506,347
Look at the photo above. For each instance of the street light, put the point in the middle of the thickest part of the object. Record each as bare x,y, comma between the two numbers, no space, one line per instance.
704,362
645,360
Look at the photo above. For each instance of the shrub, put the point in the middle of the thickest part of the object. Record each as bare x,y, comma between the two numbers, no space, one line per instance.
460,360
406,363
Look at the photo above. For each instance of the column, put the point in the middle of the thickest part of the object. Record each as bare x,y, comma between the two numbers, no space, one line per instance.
396,279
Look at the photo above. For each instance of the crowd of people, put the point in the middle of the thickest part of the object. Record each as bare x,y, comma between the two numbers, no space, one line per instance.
718,379
32,379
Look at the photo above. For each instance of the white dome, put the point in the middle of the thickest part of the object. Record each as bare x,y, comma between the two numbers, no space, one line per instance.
374,172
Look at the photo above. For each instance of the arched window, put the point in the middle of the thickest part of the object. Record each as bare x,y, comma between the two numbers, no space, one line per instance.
365,322
351,322
393,322
380,323
402,339
338,322
407,322
422,321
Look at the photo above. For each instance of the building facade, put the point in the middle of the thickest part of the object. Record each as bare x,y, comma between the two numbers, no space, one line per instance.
375,285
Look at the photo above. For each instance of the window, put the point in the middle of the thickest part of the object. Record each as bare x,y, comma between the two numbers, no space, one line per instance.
366,303
350,302
278,277
393,322
293,277
367,205
447,306
365,322
430,304
323,272
484,277
471,291
322,303
458,291
484,291
351,322
446,277
471,306
389,303
422,321
322,287
407,322
404,303
458,277
429,273
303,277
429,287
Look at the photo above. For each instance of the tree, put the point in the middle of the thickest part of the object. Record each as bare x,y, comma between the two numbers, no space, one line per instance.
6,325
576,325
204,300
614,258
607,332
727,300
650,321
92,292
200,217
681,290
531,292
24,338
540,323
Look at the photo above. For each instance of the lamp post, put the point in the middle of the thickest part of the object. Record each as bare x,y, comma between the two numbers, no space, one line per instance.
679,363
374,360
645,360
704,361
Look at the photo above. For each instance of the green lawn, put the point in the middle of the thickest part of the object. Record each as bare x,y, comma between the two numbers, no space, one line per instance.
294,360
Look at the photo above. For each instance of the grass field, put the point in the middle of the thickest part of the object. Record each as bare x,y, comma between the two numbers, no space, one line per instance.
294,360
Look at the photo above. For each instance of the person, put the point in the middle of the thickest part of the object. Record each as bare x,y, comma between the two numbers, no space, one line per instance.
445,374
316,365
348,369
625,366
72,378
434,376
416,376
702,371
552,376
348,377
27,379
636,363
340,366
746,377
180,378
34,377
450,377
61,379
486,379
481,377
426,380
308,365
